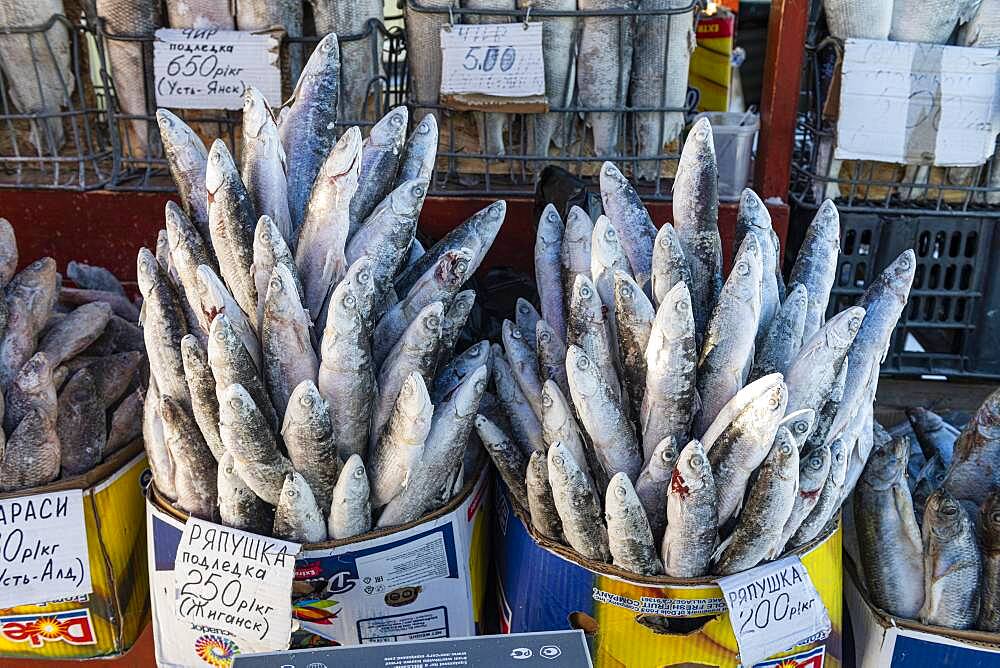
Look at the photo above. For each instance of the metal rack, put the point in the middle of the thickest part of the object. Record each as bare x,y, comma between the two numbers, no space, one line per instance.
467,168
144,167
52,128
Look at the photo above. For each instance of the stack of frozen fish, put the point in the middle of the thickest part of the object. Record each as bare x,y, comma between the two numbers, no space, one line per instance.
295,324
70,363
671,422
929,545
916,21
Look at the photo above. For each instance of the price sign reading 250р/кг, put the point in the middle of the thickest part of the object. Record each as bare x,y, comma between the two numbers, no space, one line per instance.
502,60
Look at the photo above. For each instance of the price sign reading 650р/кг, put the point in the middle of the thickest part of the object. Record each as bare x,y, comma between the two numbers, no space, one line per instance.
500,60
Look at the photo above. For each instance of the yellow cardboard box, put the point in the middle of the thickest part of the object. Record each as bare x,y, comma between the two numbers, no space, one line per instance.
107,622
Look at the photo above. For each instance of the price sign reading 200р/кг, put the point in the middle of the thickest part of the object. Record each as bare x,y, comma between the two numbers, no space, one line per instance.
43,548
502,60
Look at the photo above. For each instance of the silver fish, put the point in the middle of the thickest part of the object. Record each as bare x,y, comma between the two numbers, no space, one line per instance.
559,426
934,435
744,444
828,502
307,127
578,507
239,507
653,484
630,538
663,47
231,363
194,465
161,462
381,154
783,340
989,527
602,416
423,40
576,251
454,322
216,299
248,437
818,362
541,505
263,165
727,351
557,35
696,220
929,22
71,335
188,251
669,266
753,218
298,516
351,508
631,221
31,454
419,152
548,268
816,264
525,425
37,68
320,247
799,423
587,328
883,516
401,445
854,19
200,14
634,317
523,362
452,375
187,159
491,124
526,318
286,339
350,21
606,257
507,456
551,355
974,472
692,519
204,401
307,432
269,250
814,468
232,220
163,327
757,536
952,564
346,376
602,69
476,234
85,275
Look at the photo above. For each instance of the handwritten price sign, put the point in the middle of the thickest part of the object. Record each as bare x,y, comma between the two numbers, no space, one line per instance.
501,60
237,582
773,608
210,69
43,549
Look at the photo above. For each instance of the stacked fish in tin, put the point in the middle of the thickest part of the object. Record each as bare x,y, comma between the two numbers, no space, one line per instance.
670,422
295,324
70,369
926,520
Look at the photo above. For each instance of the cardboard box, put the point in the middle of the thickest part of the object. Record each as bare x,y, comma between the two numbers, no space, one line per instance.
108,621
883,640
423,580
710,72
547,589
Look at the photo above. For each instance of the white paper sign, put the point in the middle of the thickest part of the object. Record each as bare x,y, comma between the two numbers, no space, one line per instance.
918,103
210,69
773,608
235,581
502,60
43,548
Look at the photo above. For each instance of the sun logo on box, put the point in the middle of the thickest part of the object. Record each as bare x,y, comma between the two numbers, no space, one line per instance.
72,627
216,651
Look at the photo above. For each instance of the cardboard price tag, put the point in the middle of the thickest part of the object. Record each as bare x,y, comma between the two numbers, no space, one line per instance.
773,608
210,69
500,60
236,582
43,549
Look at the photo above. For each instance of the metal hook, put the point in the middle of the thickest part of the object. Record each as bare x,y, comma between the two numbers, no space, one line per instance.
527,14
451,17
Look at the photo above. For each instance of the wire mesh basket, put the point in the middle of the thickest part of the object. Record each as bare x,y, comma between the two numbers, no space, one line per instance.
865,185
53,132
631,112
139,161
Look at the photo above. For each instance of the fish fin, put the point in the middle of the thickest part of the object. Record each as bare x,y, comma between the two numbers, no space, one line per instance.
142,314
720,548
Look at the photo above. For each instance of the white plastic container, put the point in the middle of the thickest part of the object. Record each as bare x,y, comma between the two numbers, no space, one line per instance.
734,135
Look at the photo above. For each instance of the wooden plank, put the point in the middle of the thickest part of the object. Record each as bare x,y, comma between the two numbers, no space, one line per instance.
895,395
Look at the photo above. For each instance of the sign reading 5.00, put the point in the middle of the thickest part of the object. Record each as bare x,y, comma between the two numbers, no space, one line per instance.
502,60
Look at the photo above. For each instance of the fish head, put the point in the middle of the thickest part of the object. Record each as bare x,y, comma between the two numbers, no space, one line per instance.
266,238
898,276
227,468
176,223
390,131
699,146
282,299
629,294
466,398
612,179
454,267
664,455
256,113
295,492
769,406
579,227
537,469
620,494
179,140
561,462
799,296
826,223
555,410
674,317
220,169
944,516
423,333
840,331
35,374
814,469
605,243
585,302
222,337
212,293
513,338
800,424
986,421
414,402
584,375
545,335
352,298
692,471
840,454
325,56
550,227
489,220
236,406
525,311
748,263
752,213
458,313
474,356
148,271
990,521
345,156
407,199
308,409
784,455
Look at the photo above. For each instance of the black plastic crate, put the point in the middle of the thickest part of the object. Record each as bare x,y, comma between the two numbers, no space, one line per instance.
952,314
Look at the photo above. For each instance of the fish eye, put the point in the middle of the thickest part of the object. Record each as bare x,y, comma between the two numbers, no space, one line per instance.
785,449
609,234
291,493
553,217
582,363
557,460
800,427
586,292
816,463
749,202
350,301
620,492
626,292
359,472
743,268
236,402
702,134
432,322
462,267
697,461
609,170
481,386
681,305
995,517
515,333
546,399
544,337
855,323
307,400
